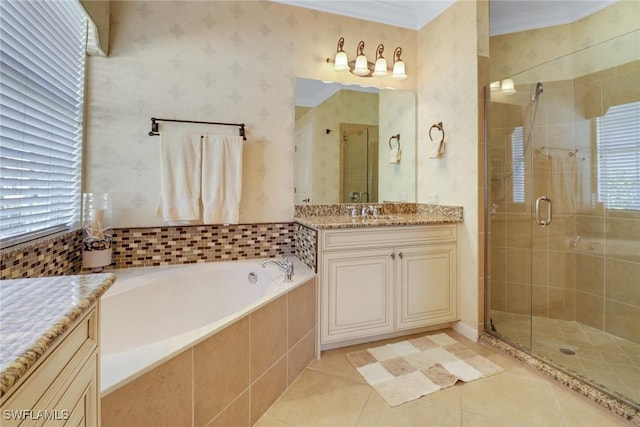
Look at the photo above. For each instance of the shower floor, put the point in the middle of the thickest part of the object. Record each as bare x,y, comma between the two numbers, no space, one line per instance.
605,359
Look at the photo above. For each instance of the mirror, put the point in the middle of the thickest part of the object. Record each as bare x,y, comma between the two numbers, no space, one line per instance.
347,144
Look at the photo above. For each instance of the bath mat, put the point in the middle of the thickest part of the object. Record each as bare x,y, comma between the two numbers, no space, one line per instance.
407,370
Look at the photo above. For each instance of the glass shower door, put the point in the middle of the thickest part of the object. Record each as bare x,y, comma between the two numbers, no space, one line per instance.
563,220
510,216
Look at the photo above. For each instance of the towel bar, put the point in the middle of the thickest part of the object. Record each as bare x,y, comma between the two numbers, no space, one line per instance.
154,125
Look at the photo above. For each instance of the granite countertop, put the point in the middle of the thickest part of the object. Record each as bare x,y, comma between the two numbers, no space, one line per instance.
34,313
393,215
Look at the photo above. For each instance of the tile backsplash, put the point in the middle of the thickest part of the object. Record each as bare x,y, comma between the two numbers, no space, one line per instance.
55,256
142,247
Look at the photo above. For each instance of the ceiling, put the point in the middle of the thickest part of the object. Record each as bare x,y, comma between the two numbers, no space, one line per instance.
506,16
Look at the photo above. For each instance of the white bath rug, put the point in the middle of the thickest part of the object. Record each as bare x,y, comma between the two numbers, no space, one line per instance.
407,370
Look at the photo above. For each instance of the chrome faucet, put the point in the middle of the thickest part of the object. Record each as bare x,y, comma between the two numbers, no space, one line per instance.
284,265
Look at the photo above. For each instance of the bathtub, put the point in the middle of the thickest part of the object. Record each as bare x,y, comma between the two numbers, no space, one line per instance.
151,314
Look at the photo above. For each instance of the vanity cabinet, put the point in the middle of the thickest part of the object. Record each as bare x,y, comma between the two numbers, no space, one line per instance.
63,388
380,280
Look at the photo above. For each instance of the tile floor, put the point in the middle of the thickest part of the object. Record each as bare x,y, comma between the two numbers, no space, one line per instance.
330,392
604,358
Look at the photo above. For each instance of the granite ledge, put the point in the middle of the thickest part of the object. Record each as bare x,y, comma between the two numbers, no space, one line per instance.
398,220
390,215
35,313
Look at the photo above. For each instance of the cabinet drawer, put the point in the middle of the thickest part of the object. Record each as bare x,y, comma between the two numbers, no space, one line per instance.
387,236
80,400
44,386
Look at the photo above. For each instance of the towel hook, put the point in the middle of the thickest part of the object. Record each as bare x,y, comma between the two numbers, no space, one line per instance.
440,127
397,138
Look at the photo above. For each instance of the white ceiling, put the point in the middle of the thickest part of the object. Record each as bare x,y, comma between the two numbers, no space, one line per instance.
506,16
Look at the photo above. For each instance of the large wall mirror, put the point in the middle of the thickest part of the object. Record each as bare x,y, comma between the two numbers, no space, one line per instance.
347,144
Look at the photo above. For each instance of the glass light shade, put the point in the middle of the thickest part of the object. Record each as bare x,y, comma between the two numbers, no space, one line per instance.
361,68
507,86
341,63
380,68
495,85
398,71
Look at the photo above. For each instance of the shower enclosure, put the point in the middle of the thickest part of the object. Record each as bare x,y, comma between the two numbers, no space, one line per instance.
358,163
563,214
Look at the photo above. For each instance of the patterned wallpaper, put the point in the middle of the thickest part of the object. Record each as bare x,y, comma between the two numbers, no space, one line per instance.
345,106
448,93
397,182
226,61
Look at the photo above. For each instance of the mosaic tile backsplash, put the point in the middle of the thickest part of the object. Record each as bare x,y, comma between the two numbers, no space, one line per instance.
55,256
141,247
306,245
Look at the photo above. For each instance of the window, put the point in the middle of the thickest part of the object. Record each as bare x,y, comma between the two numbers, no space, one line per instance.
42,56
618,145
517,162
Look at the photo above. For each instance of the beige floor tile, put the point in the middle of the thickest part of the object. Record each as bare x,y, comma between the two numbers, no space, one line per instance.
513,399
335,362
451,396
474,420
580,412
330,392
318,398
414,413
267,421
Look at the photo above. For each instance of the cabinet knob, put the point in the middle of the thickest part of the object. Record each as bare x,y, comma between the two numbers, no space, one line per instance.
393,255
400,255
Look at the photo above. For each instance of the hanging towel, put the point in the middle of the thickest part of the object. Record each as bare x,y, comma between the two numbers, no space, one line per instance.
395,155
563,183
180,162
221,178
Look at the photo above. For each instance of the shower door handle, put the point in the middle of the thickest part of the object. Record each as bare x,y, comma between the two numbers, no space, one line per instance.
546,222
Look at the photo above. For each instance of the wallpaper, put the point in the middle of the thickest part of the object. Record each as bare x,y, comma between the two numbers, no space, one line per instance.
448,93
224,61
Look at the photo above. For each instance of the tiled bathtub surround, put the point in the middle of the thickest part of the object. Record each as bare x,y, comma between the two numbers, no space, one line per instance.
230,378
140,247
55,256
306,245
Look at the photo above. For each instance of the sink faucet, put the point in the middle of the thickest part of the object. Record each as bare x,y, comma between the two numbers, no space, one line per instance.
284,265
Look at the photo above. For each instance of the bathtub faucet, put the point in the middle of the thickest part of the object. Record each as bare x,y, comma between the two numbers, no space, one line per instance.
285,265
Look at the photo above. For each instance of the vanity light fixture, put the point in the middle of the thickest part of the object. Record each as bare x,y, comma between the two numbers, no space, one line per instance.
341,62
363,68
505,87
398,65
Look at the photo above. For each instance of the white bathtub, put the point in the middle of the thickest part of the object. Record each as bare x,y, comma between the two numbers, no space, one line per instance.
150,314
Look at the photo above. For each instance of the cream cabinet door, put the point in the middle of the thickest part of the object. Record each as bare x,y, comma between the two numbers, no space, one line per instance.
357,294
425,286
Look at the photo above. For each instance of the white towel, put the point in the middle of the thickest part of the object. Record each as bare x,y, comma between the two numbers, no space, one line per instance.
395,155
221,178
180,176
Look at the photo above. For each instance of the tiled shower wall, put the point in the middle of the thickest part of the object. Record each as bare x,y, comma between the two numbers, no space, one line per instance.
139,247
587,268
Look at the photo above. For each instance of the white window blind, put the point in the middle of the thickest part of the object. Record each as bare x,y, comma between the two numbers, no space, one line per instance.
618,145
42,57
517,164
